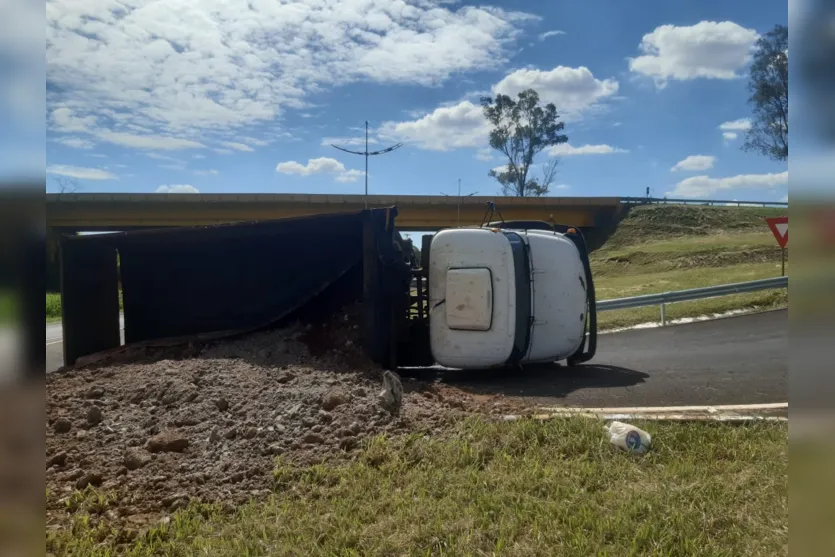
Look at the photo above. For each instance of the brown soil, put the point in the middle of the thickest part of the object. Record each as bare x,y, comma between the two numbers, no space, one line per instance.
206,423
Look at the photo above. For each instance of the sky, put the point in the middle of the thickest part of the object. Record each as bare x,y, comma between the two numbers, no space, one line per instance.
247,96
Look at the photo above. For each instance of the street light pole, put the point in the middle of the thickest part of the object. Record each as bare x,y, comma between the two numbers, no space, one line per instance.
460,199
367,154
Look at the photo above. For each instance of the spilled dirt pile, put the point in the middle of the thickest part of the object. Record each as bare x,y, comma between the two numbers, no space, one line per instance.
160,433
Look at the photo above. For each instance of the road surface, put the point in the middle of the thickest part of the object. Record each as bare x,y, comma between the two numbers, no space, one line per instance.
735,360
55,344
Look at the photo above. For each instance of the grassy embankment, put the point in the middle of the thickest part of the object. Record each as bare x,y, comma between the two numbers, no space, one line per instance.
512,488
672,247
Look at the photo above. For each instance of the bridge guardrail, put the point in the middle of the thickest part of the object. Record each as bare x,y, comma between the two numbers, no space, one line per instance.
663,298
694,201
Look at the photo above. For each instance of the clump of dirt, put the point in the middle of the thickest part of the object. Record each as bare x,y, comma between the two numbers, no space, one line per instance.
162,432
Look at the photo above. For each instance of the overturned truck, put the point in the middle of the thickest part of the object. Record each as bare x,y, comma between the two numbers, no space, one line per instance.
499,294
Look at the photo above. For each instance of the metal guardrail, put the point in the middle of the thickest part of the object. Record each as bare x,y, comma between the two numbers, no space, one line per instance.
720,202
663,298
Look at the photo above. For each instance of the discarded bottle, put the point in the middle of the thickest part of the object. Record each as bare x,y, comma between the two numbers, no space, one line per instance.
628,437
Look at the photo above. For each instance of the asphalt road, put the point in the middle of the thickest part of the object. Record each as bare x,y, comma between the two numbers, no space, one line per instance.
735,360
55,344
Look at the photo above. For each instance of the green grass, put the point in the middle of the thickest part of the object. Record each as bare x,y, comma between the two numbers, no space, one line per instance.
53,306
514,488
8,307
664,248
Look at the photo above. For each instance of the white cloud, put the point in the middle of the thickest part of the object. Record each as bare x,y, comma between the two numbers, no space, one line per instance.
65,119
209,172
198,156
162,142
350,176
178,67
237,146
709,49
80,172
161,157
462,124
75,142
547,34
485,154
703,186
177,188
741,125
695,162
730,136
572,90
445,128
567,150
321,165
223,151
561,187
347,141
255,141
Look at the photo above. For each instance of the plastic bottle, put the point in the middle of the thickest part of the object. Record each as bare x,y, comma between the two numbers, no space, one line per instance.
628,437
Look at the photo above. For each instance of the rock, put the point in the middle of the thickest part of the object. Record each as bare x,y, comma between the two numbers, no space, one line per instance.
250,433
62,425
318,428
285,377
348,443
58,459
191,396
185,421
334,398
169,399
391,396
275,450
308,421
134,459
94,415
74,475
81,435
172,499
222,404
359,392
214,436
235,478
231,433
95,392
167,441
313,438
355,428
325,417
92,478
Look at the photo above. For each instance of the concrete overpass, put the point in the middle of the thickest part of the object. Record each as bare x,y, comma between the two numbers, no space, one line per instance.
94,211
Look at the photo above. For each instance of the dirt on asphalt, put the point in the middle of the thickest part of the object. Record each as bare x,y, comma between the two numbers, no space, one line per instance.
207,423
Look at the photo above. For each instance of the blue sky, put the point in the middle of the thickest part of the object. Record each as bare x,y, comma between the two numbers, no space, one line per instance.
230,96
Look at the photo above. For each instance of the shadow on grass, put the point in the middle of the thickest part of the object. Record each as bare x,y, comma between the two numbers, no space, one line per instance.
539,380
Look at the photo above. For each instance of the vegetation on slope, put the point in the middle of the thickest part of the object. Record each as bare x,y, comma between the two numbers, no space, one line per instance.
660,248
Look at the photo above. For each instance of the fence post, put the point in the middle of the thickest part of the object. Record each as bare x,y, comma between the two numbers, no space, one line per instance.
663,314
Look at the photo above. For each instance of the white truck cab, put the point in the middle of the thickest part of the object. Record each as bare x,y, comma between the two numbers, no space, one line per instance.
509,297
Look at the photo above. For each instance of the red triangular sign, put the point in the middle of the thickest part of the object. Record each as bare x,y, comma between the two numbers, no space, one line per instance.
780,228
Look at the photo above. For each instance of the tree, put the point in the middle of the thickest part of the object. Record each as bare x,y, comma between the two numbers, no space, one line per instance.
66,184
521,129
769,87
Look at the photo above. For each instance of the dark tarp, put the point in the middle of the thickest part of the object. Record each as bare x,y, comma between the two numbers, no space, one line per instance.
238,277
